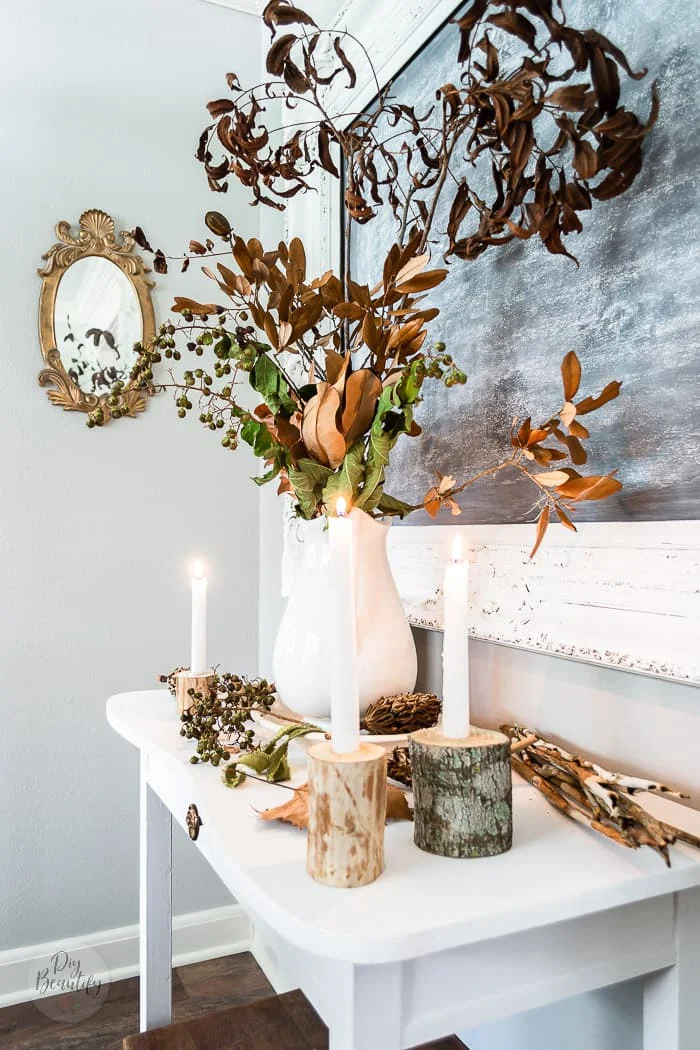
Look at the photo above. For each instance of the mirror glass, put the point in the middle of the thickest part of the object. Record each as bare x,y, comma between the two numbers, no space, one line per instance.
97,320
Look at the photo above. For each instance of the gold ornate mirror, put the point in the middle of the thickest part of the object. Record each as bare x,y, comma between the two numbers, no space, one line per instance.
95,304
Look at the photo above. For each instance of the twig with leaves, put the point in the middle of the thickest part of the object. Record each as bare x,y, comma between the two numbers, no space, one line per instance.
594,796
340,365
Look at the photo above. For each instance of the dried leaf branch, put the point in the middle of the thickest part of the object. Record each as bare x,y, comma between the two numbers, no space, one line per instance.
594,796
339,365
561,487
551,132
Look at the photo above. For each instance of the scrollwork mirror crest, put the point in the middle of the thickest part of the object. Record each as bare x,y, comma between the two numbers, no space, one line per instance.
95,305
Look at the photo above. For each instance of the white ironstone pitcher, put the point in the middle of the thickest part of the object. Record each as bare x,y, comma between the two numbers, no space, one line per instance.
386,652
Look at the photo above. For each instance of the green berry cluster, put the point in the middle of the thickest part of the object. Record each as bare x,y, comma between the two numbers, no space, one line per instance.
440,365
219,719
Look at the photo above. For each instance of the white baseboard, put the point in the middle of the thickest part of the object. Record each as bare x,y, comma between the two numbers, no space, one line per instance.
197,936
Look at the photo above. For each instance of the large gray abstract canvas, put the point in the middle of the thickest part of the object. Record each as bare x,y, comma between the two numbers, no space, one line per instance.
630,311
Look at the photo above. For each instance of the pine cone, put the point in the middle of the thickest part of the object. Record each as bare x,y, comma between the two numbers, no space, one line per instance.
401,714
398,766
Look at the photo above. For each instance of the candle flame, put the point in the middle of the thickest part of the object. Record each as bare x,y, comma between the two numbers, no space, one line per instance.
457,552
199,569
341,507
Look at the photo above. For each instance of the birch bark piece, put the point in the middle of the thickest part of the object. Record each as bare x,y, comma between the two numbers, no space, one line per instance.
462,793
347,813
184,681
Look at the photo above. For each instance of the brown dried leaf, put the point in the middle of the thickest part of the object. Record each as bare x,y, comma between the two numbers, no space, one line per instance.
565,519
594,487
349,311
568,413
295,811
571,97
552,478
219,106
590,404
542,525
413,267
571,375
578,429
362,391
218,224
397,807
516,24
422,281
320,429
182,305
432,502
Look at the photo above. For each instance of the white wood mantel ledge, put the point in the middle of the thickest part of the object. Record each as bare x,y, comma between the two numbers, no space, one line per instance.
435,945
626,595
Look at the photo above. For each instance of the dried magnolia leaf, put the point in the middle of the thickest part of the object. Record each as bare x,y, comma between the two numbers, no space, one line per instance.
397,807
319,428
362,392
296,810
552,478
568,413
590,404
542,524
412,268
565,519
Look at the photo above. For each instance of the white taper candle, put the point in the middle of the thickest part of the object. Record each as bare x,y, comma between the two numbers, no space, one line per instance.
198,655
455,651
345,701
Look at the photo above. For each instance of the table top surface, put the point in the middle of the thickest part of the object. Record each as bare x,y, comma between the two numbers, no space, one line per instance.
556,869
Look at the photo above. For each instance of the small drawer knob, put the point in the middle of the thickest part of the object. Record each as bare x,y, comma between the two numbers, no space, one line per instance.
193,821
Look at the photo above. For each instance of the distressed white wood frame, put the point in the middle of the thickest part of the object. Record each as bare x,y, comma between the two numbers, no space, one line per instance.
625,595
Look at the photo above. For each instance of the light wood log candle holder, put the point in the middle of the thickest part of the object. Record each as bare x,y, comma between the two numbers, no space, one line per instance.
186,681
347,813
462,793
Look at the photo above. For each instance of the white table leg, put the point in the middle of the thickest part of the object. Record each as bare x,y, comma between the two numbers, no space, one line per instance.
672,996
155,908
367,1010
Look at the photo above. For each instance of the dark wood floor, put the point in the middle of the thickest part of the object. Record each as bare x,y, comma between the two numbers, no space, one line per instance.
197,989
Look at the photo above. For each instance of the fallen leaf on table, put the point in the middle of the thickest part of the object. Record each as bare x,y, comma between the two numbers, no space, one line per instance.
296,810
397,807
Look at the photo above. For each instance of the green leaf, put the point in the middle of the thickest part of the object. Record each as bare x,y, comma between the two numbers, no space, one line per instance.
309,480
278,765
273,471
258,437
347,480
390,505
409,386
267,379
256,760
233,777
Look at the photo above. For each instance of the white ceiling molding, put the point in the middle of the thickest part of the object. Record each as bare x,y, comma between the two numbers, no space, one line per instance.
248,7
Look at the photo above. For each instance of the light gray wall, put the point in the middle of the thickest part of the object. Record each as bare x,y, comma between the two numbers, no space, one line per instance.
100,106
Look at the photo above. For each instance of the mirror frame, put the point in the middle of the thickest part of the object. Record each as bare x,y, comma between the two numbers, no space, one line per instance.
96,237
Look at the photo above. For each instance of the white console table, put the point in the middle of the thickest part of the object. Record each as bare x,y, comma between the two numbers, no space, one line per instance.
434,946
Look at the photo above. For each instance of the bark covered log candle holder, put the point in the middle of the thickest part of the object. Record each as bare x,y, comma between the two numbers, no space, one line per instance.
347,813
462,793
187,683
